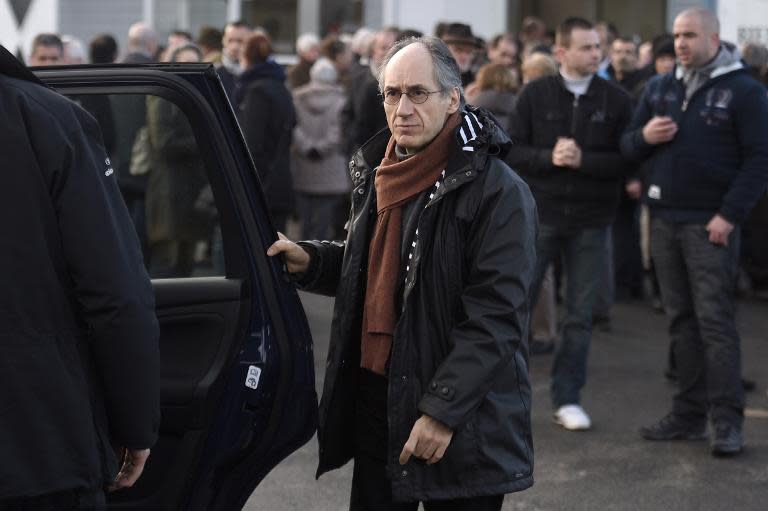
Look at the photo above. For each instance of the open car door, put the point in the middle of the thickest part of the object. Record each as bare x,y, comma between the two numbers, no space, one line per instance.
237,374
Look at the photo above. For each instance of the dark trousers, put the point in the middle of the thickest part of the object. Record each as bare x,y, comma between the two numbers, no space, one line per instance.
319,215
71,500
371,488
698,284
583,254
627,257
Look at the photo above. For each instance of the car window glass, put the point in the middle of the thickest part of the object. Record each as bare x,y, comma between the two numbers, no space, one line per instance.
163,181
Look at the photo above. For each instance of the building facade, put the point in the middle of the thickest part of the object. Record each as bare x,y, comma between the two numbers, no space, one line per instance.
21,20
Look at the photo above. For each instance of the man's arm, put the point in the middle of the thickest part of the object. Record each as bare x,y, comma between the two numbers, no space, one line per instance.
316,265
634,147
501,257
523,156
751,180
110,284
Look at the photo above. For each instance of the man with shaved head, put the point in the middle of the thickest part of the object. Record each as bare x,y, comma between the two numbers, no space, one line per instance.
426,386
701,130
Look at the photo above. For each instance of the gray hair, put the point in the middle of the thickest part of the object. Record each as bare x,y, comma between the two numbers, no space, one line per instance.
444,67
323,71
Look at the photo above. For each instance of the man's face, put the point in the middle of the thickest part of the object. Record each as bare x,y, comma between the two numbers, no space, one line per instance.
694,47
623,56
46,56
505,53
382,42
233,40
415,125
582,57
462,53
664,64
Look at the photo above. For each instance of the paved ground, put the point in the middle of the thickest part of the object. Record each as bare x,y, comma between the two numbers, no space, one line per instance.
608,468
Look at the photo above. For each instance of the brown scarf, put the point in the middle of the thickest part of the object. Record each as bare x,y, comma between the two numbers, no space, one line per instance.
397,182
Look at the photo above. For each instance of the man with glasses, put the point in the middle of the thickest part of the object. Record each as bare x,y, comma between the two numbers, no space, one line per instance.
427,383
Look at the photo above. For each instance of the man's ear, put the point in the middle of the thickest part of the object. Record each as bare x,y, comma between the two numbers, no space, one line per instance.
455,100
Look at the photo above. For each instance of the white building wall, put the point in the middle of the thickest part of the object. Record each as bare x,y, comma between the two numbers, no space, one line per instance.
85,19
486,17
42,16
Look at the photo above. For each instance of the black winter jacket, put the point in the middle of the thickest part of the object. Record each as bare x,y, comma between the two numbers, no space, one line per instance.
266,114
79,359
718,160
458,352
546,110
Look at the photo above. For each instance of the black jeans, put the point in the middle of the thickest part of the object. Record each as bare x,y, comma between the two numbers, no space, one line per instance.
371,488
698,284
70,500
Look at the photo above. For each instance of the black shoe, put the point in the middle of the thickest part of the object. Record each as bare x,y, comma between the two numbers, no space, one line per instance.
747,385
539,347
674,427
602,324
728,440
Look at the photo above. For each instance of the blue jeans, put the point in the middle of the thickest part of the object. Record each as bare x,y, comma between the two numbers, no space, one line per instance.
583,253
698,284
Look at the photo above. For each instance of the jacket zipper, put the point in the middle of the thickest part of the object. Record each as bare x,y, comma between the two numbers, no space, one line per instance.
574,115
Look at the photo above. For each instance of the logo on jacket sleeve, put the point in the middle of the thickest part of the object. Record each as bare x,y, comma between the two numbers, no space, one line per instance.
654,192
109,170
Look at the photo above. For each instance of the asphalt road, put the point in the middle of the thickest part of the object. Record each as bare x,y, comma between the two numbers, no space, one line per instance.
607,468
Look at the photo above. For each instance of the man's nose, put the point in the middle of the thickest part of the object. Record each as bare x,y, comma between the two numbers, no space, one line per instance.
405,106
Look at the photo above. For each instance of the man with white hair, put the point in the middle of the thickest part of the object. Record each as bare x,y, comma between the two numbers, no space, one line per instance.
74,50
701,129
308,49
142,44
427,385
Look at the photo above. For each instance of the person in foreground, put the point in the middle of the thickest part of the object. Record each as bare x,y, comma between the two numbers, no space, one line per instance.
427,384
702,130
79,356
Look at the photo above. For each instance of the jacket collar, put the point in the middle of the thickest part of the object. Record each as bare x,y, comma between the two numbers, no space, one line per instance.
478,135
10,66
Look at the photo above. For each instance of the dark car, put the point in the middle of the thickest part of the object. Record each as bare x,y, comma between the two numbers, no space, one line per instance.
238,386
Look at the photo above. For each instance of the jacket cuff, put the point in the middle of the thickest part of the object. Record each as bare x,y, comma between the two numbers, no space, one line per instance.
305,279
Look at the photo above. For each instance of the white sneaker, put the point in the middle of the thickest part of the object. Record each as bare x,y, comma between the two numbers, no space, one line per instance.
573,418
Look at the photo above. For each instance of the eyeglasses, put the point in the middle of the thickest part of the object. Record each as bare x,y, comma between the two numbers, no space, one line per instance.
417,96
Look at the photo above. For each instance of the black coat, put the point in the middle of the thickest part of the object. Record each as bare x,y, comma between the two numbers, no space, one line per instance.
458,352
79,359
364,115
544,111
267,117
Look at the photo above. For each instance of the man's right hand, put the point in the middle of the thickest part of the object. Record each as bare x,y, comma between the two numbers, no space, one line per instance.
296,258
659,130
132,466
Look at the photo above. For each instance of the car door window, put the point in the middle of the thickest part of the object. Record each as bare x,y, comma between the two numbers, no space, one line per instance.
163,180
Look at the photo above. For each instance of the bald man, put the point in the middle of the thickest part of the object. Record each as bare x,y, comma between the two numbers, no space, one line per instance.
702,130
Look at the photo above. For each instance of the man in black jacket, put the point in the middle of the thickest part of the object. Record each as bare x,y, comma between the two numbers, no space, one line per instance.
427,383
566,131
79,357
701,130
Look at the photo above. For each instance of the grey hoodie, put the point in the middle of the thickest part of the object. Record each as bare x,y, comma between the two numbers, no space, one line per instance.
727,59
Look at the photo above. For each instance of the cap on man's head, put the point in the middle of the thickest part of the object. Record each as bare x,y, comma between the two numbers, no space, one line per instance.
459,34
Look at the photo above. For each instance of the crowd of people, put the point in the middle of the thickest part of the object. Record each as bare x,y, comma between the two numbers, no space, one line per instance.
486,177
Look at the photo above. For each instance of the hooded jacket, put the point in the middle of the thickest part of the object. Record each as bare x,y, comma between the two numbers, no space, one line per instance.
265,111
718,160
319,164
79,358
458,351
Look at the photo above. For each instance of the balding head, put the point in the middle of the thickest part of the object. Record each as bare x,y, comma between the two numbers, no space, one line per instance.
697,37
706,18
142,39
